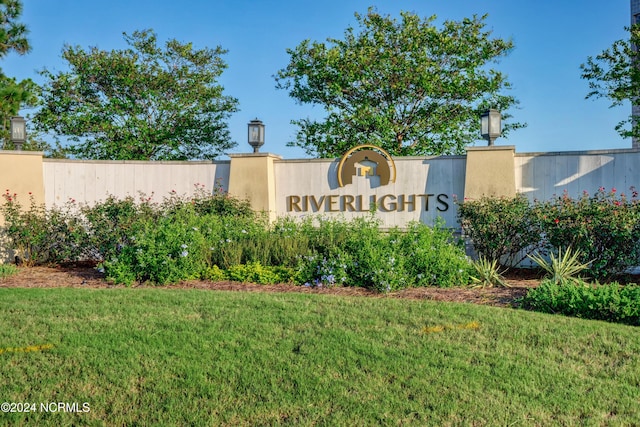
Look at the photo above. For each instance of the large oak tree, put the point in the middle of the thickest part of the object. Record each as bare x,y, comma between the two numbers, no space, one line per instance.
407,86
145,102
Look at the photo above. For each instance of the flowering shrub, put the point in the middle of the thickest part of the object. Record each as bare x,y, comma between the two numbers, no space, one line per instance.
434,257
112,223
500,228
166,251
182,238
318,271
604,228
40,236
358,253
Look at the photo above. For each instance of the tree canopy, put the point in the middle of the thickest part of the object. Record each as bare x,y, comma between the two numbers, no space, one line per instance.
141,103
406,86
615,74
13,34
13,38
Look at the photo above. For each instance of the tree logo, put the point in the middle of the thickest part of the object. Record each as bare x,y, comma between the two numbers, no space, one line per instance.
366,160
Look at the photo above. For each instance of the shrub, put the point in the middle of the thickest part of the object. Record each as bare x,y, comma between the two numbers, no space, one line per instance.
164,251
317,271
113,222
213,237
257,273
611,302
358,253
500,229
40,236
434,257
220,203
604,228
214,274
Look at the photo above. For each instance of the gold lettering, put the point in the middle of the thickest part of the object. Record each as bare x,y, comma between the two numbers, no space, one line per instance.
391,207
315,204
403,203
293,204
360,204
347,203
330,202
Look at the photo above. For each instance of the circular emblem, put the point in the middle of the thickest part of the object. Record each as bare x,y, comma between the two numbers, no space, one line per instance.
366,160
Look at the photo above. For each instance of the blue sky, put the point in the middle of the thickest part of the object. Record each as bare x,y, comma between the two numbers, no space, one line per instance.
552,38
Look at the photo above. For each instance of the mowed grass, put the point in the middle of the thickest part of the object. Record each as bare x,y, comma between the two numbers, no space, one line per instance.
196,357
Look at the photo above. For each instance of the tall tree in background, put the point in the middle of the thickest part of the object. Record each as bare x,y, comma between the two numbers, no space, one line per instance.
141,103
13,34
406,86
13,94
615,74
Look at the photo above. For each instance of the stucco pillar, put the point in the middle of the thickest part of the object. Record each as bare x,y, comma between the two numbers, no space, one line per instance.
252,177
490,171
20,174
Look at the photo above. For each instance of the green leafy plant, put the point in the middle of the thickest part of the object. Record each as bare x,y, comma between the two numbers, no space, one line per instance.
610,302
487,274
7,270
603,227
561,268
38,235
256,273
500,229
433,256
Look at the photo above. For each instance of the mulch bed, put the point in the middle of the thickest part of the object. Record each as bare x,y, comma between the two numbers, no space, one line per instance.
80,276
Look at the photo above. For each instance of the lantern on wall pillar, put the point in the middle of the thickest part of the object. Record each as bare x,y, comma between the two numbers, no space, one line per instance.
256,134
18,129
491,125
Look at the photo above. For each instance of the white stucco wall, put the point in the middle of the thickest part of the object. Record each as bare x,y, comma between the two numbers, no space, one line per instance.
537,175
545,175
91,181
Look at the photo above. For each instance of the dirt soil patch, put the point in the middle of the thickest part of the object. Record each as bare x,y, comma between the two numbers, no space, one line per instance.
79,276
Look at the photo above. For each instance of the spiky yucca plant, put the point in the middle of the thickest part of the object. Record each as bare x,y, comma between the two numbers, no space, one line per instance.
488,274
562,268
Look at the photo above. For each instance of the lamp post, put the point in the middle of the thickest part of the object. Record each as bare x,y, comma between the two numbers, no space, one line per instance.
491,126
256,134
18,128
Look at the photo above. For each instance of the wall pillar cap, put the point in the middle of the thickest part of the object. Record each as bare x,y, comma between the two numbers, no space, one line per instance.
241,155
493,148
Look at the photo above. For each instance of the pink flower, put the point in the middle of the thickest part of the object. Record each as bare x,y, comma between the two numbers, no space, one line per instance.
613,190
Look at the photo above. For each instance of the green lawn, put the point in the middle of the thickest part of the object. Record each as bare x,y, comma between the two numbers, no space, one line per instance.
194,357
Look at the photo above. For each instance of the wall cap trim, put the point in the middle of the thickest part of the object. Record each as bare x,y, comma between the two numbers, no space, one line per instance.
580,152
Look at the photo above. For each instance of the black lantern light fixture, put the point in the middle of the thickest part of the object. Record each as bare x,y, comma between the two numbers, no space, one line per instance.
256,134
18,129
491,126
